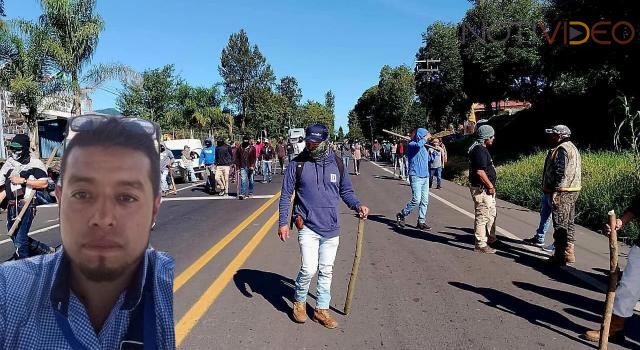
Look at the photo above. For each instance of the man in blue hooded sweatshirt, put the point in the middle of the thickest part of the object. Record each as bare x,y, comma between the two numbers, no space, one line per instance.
319,181
419,179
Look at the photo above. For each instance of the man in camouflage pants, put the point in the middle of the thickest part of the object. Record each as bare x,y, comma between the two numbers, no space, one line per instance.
562,179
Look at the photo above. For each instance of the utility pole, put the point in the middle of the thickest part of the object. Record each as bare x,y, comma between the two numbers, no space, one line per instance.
432,66
370,117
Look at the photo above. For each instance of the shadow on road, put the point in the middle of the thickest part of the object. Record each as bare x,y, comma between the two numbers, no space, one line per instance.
535,314
274,288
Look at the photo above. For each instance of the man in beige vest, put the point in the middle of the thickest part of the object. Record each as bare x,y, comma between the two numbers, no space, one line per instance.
562,179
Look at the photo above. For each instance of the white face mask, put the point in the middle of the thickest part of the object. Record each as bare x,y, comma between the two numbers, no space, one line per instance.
16,154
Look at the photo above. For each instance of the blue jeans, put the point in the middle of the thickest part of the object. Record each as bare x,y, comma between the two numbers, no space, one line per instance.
419,196
317,255
345,161
267,174
437,172
246,180
546,208
21,235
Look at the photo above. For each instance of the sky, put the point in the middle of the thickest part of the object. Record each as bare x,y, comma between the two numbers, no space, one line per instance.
326,45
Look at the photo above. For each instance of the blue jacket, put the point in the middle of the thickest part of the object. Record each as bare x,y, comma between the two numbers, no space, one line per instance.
318,193
208,155
418,154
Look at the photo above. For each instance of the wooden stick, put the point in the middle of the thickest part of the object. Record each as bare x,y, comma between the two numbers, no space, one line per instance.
173,182
408,139
614,271
27,201
355,268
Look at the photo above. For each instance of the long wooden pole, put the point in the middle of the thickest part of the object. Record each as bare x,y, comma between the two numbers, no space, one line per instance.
27,201
407,138
614,271
355,268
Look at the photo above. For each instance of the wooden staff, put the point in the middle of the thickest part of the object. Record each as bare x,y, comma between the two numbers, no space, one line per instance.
173,182
409,139
614,271
27,201
355,268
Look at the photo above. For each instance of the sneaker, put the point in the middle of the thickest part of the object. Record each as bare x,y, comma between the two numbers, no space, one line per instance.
534,241
400,219
264,181
423,227
485,250
300,311
323,317
439,188
549,248
241,197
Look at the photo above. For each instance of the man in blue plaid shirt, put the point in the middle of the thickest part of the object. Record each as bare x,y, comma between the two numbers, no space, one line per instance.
106,289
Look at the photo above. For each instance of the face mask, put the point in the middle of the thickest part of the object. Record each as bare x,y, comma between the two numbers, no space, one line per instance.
320,151
16,155
162,148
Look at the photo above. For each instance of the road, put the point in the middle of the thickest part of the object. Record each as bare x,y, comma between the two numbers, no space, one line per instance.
415,290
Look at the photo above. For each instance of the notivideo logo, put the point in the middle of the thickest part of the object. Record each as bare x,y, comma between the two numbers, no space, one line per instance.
579,33
567,32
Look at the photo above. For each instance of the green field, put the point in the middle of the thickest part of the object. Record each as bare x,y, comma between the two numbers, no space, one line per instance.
610,181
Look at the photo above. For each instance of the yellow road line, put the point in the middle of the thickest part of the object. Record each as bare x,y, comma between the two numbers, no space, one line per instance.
195,313
192,270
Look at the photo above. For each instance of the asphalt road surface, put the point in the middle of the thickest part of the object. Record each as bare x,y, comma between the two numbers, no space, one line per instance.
415,289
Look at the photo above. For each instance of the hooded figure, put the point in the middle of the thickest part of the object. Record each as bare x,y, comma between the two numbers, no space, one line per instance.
20,175
418,154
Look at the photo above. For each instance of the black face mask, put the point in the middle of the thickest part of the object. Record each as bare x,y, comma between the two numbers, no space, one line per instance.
162,149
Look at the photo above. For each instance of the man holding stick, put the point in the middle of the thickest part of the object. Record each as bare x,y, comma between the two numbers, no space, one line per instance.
21,174
628,291
419,179
318,186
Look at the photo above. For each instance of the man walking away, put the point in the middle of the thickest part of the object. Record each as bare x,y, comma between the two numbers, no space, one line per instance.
20,175
419,179
224,160
401,155
628,290
166,159
281,152
245,160
319,182
394,152
291,150
208,158
266,155
187,163
376,150
345,153
258,147
562,179
482,184
356,150
436,157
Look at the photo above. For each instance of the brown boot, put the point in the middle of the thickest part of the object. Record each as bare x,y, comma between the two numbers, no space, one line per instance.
570,254
323,317
300,311
616,330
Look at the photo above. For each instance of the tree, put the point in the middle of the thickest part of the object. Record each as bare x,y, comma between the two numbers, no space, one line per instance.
73,29
315,112
27,72
153,98
245,72
340,134
355,131
396,93
330,101
500,55
442,91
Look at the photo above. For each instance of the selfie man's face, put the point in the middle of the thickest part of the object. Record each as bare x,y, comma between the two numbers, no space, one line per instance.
311,145
107,207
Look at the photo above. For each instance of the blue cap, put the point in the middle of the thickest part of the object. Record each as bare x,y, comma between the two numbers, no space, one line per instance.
316,133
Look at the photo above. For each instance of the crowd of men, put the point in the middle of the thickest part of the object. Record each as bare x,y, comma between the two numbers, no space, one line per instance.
125,286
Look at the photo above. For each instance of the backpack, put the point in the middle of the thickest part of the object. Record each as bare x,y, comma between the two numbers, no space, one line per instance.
303,158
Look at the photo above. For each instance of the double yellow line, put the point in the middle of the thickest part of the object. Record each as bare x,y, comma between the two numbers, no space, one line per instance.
195,313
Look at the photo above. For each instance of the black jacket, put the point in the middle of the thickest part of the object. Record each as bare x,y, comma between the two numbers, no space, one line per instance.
224,156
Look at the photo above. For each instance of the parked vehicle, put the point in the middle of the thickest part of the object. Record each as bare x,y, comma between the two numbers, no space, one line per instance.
176,147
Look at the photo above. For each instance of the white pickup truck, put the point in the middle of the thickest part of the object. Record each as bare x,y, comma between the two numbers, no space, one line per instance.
176,147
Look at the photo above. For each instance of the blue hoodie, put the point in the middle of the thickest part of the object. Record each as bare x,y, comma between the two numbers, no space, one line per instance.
319,190
208,155
418,154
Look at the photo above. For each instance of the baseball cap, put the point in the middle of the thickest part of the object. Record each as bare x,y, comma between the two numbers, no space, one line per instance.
316,133
559,130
